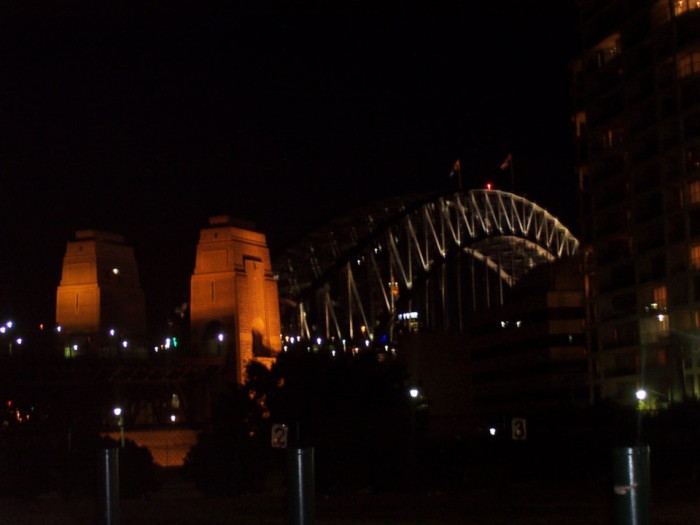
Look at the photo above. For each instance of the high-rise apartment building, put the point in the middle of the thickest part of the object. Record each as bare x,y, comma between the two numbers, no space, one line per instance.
637,121
529,355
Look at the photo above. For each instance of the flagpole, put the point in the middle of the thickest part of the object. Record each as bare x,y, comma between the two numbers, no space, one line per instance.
457,170
512,176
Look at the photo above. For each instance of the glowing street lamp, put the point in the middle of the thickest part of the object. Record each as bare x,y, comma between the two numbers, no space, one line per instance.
120,422
4,329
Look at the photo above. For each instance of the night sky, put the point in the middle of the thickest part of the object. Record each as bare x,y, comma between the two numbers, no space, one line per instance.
145,121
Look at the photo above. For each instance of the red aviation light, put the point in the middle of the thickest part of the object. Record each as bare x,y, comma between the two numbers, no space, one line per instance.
489,186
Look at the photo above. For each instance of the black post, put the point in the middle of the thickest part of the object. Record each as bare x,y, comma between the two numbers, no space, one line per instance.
300,463
631,479
109,486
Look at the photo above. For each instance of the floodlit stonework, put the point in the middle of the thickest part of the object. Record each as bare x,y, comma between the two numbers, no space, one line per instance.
234,307
100,306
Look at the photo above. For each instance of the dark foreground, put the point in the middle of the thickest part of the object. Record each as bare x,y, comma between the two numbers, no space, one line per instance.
493,504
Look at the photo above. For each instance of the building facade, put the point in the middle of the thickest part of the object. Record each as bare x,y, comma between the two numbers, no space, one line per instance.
234,306
529,355
636,91
100,306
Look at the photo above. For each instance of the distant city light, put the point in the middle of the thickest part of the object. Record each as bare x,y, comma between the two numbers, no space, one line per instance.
18,341
220,337
413,392
641,394
125,343
117,411
492,431
115,271
173,418
112,332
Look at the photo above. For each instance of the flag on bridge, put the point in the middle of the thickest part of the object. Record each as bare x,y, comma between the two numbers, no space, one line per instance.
506,163
457,171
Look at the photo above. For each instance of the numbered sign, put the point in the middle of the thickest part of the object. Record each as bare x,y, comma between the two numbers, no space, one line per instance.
279,435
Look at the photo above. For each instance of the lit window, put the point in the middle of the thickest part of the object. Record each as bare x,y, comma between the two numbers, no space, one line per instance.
580,123
681,6
661,13
692,158
695,256
689,64
607,50
613,137
583,178
660,296
694,192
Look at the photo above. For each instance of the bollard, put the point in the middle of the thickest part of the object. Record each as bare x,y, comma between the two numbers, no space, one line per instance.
300,470
109,486
631,480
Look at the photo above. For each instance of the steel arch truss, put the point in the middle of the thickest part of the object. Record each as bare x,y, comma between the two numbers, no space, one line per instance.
342,279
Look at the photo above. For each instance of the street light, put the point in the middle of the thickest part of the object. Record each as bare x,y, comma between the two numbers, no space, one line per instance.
5,329
120,422
646,393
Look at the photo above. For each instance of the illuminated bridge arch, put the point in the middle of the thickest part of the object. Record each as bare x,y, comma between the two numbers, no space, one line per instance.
439,257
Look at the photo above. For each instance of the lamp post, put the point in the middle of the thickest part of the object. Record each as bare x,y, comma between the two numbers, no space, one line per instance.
631,476
220,339
416,403
643,394
120,422
5,329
